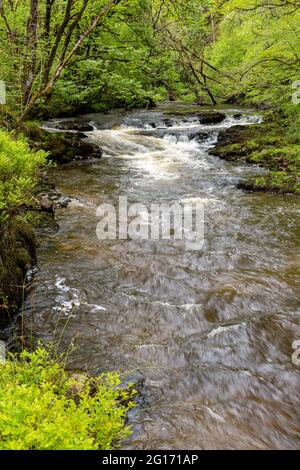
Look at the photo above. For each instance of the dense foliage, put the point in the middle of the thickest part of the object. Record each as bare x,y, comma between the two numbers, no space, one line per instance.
42,407
19,172
78,55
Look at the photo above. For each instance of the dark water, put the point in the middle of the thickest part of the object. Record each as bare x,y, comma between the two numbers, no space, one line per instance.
207,333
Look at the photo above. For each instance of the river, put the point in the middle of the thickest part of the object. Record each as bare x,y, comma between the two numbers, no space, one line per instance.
206,334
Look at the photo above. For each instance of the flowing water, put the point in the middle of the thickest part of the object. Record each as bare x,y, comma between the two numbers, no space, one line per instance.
206,334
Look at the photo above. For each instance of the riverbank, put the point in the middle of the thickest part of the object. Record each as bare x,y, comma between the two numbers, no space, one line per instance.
21,172
269,145
28,199
79,411
63,146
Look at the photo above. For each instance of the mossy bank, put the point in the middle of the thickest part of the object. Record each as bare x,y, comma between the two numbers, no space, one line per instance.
21,171
271,145
43,405
61,146
28,198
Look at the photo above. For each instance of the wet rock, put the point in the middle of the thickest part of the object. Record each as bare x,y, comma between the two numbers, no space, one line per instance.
63,147
199,136
59,200
52,200
237,115
17,254
46,203
231,135
168,122
252,186
75,126
67,147
231,144
210,117
267,146
205,116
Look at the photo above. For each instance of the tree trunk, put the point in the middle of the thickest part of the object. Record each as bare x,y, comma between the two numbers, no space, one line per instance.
47,24
63,61
30,55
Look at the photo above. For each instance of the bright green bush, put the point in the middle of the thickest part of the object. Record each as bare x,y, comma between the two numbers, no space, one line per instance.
43,407
19,171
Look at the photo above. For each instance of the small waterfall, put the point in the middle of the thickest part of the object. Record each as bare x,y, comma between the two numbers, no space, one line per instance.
170,139
207,335
241,119
184,139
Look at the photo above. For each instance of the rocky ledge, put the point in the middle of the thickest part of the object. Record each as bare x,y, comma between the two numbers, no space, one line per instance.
62,146
267,145
205,116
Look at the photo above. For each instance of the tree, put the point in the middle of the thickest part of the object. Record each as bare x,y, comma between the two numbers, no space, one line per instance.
54,31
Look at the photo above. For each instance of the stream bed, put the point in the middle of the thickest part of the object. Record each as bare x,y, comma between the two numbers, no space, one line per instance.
206,334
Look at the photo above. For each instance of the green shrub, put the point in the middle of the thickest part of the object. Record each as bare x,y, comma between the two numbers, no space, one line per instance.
44,407
19,171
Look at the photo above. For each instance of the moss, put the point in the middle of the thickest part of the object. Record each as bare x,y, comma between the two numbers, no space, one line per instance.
38,219
62,147
268,145
279,180
17,254
7,119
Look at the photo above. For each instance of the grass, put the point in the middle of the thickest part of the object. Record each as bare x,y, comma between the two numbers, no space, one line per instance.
43,407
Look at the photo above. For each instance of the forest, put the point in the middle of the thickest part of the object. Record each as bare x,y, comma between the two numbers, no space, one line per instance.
211,60
59,56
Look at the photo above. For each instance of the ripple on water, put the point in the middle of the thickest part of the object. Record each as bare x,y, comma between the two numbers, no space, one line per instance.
207,333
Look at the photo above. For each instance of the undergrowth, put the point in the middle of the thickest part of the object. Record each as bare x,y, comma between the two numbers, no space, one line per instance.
42,406
20,169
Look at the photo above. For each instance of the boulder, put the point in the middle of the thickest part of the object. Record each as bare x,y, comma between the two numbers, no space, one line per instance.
211,117
65,147
70,125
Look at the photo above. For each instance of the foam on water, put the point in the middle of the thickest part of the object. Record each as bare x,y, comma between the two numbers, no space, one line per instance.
208,333
242,120
69,299
156,157
161,156
222,329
